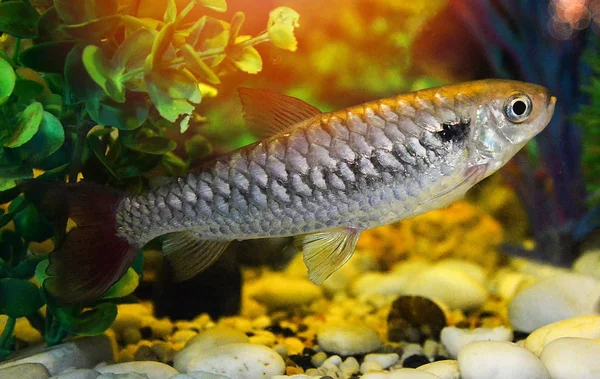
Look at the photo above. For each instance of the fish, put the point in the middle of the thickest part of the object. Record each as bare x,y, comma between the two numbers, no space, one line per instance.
319,177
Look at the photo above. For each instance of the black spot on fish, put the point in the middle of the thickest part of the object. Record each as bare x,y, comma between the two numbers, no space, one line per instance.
455,130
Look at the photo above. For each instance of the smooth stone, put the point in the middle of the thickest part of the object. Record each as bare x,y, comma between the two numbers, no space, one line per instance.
385,360
588,263
154,370
454,288
349,366
538,270
348,339
447,369
204,342
25,371
240,361
578,327
405,373
82,373
370,366
129,375
567,358
278,291
80,353
553,299
507,283
473,270
499,360
455,339
199,375
376,283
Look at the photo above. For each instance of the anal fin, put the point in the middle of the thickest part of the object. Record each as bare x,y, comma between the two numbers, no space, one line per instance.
325,252
188,255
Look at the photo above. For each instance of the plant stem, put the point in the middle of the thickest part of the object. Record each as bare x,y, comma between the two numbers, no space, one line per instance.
8,332
16,51
207,54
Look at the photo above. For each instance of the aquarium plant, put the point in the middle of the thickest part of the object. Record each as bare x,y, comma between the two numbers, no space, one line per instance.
519,41
99,90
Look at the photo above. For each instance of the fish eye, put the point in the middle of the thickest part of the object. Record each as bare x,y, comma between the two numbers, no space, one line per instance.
518,108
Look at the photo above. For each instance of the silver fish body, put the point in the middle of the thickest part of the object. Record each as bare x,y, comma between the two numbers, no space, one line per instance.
358,168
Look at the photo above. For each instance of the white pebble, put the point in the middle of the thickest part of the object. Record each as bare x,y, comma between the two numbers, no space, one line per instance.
499,360
447,369
579,327
198,375
333,361
410,349
508,283
318,359
554,299
385,360
204,342
154,370
588,263
349,367
410,373
473,270
369,366
348,339
454,339
278,291
567,358
240,361
82,373
430,348
454,288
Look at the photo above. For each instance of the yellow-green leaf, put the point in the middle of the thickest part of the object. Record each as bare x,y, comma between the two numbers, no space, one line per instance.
248,60
27,124
160,46
282,22
197,65
216,5
171,12
99,69
125,286
7,80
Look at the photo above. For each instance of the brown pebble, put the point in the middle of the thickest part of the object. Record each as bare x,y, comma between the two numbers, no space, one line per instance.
293,370
414,319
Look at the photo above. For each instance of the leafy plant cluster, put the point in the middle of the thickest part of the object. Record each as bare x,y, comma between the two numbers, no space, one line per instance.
589,120
100,92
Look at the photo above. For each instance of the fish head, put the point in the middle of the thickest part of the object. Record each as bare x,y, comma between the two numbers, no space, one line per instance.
507,114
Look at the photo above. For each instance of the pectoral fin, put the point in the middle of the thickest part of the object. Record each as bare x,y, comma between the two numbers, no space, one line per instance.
325,252
188,255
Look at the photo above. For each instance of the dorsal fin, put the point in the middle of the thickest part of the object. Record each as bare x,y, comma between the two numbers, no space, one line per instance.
269,113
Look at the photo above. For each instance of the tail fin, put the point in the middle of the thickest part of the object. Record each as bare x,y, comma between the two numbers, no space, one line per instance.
92,257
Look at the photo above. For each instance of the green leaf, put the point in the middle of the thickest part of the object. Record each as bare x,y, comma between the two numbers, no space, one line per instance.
216,5
159,47
79,82
128,116
282,22
170,90
26,268
27,124
11,245
9,174
46,141
151,145
80,11
19,19
132,53
47,56
48,27
198,147
8,195
27,90
7,80
99,69
19,298
31,225
248,60
125,286
40,272
197,66
99,151
91,322
94,30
